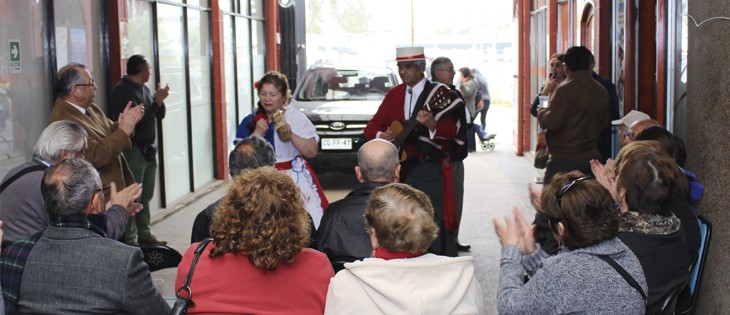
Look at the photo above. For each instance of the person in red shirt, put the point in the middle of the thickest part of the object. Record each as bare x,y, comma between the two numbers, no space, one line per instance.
257,262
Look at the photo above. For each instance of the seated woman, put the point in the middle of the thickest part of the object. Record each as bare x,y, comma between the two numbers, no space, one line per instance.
401,278
683,205
293,137
583,217
646,185
257,262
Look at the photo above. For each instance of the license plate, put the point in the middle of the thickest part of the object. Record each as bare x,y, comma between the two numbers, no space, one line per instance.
336,144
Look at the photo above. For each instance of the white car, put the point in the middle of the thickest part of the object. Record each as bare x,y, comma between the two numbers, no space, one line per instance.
340,101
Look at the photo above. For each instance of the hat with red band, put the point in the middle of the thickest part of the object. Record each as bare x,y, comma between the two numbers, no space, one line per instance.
409,54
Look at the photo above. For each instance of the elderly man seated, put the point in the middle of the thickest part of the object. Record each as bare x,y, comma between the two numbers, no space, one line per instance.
70,267
341,233
21,204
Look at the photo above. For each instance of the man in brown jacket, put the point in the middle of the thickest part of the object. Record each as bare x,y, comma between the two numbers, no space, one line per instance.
577,111
76,89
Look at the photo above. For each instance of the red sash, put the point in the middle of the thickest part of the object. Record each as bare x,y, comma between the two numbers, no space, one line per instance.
451,224
283,166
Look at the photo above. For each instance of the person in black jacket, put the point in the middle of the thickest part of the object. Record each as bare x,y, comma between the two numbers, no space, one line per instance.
645,183
341,233
250,153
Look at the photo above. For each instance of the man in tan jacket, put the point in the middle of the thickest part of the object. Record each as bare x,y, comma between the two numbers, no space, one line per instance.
76,89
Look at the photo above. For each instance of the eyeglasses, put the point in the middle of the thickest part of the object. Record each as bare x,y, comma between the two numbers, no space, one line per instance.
104,188
627,133
448,70
93,83
567,187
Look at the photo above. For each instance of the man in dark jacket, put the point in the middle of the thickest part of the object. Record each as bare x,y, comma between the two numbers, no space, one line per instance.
341,233
578,110
71,267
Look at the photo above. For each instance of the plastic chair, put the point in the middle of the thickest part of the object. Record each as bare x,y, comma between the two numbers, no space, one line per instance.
688,296
160,257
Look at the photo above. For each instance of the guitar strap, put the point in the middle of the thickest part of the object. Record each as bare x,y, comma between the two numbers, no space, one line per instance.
419,105
422,98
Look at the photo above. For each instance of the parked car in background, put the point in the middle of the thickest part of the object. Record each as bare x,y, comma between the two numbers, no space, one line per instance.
340,101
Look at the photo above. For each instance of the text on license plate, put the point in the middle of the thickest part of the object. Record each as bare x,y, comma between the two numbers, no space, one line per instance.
336,144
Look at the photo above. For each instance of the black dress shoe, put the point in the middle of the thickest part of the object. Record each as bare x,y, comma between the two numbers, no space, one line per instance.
463,247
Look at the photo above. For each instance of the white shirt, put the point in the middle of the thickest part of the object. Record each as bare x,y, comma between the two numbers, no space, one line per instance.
81,109
411,99
301,126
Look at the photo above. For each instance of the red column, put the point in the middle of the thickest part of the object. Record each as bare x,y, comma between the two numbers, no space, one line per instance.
272,25
220,124
522,140
116,15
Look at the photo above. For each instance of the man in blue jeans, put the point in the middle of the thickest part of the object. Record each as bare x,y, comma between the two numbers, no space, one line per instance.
142,157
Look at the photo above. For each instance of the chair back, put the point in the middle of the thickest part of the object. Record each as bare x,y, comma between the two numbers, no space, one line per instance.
667,304
160,257
689,294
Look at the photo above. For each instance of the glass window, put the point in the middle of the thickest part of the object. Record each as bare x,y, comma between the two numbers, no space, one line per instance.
200,3
258,49
257,8
246,101
138,32
224,5
175,124
232,118
78,34
200,98
25,94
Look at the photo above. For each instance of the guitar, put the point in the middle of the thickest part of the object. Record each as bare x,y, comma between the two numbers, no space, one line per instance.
440,101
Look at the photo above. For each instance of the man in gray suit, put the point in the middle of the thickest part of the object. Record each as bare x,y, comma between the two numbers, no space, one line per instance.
71,268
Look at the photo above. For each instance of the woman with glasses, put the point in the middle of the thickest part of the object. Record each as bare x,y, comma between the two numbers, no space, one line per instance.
646,184
556,76
580,278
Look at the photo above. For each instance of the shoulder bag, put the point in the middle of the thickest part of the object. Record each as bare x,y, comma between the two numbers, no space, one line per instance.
541,150
182,303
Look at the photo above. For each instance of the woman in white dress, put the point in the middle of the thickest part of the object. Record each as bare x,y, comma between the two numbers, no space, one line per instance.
299,139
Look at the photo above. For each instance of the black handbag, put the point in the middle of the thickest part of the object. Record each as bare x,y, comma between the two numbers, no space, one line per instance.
182,303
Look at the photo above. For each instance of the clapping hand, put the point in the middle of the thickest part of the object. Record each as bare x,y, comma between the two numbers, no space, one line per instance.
516,231
126,198
130,117
605,175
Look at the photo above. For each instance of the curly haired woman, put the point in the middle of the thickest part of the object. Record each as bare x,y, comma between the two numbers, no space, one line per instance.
258,263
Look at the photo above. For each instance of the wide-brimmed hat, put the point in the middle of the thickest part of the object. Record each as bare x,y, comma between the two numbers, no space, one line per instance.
409,54
630,118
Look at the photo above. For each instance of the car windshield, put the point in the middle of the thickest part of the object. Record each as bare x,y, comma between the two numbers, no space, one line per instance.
330,84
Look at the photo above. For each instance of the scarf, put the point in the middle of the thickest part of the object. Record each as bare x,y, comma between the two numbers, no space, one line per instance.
654,224
386,254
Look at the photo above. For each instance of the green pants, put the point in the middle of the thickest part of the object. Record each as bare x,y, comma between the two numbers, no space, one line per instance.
144,172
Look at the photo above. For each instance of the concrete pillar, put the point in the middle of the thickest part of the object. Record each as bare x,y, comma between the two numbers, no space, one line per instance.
708,145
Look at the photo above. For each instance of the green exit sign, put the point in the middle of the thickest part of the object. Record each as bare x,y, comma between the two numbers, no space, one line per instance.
14,49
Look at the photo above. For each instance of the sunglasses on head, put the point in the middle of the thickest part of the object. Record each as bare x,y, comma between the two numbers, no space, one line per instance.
559,195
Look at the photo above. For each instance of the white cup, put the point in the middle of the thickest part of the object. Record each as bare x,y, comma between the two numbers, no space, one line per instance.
543,101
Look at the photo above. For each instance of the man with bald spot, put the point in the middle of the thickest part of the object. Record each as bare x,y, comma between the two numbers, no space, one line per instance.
341,234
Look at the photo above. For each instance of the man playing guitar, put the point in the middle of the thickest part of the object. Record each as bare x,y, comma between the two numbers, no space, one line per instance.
427,166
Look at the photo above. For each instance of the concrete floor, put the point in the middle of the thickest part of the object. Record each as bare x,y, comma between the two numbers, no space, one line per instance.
494,183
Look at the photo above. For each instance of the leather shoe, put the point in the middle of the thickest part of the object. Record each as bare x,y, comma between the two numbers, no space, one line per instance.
151,241
463,247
